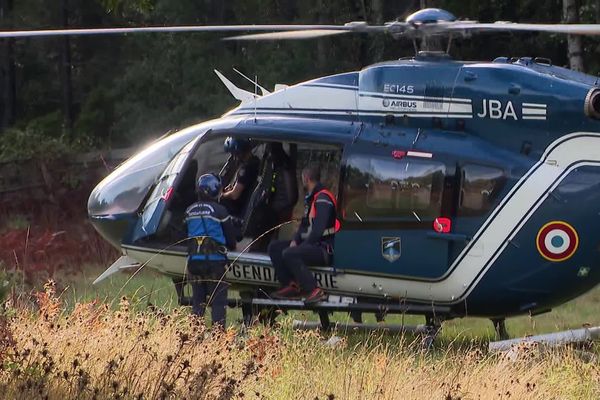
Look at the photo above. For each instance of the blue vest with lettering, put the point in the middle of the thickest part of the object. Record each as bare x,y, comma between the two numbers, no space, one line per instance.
201,221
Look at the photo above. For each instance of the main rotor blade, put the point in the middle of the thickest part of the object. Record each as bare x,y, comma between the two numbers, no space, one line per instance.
277,32
191,28
570,29
287,35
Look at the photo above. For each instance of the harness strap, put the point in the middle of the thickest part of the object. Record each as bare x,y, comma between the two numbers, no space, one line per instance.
207,245
313,212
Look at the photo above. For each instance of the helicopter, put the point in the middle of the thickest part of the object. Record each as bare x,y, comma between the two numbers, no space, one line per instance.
463,188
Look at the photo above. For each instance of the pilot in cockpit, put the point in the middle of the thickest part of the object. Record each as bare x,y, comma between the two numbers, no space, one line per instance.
237,193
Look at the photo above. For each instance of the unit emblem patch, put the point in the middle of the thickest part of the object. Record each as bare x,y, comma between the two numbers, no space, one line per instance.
557,241
391,248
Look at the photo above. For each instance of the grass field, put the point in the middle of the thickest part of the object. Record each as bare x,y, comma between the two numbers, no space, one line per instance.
92,343
150,288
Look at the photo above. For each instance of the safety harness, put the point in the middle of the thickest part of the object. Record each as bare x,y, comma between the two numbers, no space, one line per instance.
206,245
313,213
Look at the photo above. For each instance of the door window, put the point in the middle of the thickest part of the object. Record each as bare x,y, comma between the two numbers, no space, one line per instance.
163,190
480,185
166,181
384,189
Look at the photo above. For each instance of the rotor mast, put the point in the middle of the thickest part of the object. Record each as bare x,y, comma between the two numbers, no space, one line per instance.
421,21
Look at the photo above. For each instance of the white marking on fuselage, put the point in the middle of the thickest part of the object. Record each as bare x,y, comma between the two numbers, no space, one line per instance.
566,154
416,97
334,99
535,105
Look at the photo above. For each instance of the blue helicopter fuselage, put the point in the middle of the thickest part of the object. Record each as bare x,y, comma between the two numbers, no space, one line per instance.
508,154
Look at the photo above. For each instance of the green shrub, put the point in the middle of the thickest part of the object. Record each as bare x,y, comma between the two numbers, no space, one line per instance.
30,143
36,142
5,285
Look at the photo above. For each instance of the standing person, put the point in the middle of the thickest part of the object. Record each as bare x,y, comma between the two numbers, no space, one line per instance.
312,243
284,186
210,234
274,198
237,193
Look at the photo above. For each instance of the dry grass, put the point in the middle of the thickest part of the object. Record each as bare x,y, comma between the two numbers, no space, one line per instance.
381,371
95,353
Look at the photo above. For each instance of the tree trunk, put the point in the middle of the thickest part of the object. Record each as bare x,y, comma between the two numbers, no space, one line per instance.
322,43
7,70
65,72
378,44
574,42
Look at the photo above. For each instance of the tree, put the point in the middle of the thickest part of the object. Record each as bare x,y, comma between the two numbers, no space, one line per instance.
123,89
574,42
7,72
65,71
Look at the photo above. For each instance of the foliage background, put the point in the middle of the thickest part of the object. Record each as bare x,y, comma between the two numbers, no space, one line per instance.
129,89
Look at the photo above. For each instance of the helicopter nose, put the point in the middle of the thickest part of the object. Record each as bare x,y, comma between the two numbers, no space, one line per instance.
112,228
109,213
114,203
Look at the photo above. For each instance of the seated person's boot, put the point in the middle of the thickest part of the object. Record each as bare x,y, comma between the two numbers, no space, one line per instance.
315,296
291,291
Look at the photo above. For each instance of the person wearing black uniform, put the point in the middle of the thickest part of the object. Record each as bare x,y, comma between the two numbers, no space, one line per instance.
237,193
210,234
312,243
274,198
284,187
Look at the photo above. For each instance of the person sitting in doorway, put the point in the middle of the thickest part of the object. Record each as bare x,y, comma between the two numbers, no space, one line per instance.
312,243
210,233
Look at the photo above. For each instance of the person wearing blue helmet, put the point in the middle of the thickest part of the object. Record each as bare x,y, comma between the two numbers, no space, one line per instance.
236,195
210,233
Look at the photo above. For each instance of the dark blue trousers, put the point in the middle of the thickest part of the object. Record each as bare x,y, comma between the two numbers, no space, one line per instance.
209,289
290,263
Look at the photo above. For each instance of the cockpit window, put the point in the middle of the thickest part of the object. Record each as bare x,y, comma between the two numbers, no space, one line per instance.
124,189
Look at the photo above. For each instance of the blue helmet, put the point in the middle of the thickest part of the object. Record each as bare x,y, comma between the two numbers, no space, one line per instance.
209,186
236,146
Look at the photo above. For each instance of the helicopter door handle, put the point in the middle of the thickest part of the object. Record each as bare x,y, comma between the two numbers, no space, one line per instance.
470,76
514,89
451,237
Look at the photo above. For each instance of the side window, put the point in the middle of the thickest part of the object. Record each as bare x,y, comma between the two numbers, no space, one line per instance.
480,185
385,189
326,157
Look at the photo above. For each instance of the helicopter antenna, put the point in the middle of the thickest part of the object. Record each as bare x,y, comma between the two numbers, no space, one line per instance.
450,37
262,89
417,137
255,94
416,47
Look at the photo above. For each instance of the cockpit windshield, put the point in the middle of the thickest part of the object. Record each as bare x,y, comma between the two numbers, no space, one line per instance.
124,189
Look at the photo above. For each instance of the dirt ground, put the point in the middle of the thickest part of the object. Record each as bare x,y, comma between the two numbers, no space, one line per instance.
40,236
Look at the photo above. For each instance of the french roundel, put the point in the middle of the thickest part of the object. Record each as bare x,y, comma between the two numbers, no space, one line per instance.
557,241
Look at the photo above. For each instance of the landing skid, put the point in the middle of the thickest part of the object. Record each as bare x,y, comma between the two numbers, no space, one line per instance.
500,328
582,335
332,306
361,327
429,330
265,311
